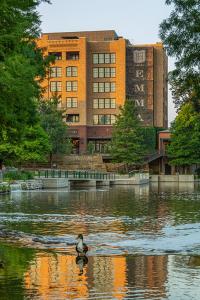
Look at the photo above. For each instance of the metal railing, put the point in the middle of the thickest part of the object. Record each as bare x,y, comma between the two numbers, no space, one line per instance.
142,174
51,173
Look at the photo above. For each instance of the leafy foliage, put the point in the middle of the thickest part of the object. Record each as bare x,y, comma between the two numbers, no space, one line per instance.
21,62
33,146
18,175
180,35
127,144
185,139
90,147
149,135
52,122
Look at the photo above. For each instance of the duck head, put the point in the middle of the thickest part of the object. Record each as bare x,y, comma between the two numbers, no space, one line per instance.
79,237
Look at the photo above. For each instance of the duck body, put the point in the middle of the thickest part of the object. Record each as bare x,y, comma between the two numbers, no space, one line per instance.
81,248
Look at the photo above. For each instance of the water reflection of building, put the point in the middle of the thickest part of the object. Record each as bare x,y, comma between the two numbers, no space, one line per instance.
109,275
148,274
56,276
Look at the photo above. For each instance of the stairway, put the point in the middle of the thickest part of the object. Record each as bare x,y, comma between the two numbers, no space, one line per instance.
79,162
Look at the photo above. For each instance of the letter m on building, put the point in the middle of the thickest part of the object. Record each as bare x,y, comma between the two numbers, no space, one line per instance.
139,88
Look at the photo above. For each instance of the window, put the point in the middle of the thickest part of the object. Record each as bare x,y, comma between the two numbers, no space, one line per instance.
112,58
104,58
95,72
112,72
55,86
107,72
107,87
71,86
101,59
104,119
57,55
71,102
73,55
95,58
112,86
72,118
101,103
112,119
103,72
107,58
103,87
100,146
104,103
107,103
71,71
112,103
55,72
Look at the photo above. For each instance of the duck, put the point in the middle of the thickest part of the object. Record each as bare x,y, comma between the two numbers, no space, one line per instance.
81,248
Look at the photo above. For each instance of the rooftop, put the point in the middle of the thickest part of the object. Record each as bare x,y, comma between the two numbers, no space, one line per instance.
100,35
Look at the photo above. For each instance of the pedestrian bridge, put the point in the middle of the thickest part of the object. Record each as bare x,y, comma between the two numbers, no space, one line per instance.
52,178
77,175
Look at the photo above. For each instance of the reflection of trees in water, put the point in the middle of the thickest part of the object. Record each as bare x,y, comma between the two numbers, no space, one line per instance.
194,261
119,201
186,261
15,263
145,211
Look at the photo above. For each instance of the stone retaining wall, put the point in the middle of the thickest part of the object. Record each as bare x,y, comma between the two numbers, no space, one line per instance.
172,178
79,162
34,184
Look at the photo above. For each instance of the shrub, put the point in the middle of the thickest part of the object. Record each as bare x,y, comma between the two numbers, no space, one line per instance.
18,175
4,188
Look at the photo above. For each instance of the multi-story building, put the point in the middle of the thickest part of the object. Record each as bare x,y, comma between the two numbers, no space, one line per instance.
93,74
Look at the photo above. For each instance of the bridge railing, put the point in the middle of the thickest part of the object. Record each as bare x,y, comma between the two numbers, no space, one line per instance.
52,173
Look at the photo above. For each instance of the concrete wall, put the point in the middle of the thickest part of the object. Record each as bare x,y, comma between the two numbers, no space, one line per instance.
137,179
172,178
52,183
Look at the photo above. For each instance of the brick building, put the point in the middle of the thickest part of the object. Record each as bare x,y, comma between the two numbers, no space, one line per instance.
94,72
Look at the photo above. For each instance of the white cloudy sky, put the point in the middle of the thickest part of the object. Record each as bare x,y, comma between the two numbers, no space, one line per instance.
137,20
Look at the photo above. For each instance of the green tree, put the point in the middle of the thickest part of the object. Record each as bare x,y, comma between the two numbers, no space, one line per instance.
180,35
52,123
127,144
185,138
149,135
34,146
90,147
21,62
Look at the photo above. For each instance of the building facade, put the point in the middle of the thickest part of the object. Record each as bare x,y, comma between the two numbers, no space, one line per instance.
94,72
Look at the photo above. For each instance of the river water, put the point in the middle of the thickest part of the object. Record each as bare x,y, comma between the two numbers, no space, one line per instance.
144,243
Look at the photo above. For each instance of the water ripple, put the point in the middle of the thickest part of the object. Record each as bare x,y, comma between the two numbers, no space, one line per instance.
174,240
